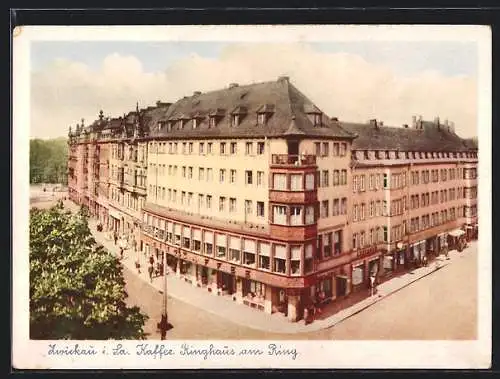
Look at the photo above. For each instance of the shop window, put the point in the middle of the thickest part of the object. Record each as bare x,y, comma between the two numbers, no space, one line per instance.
280,265
357,275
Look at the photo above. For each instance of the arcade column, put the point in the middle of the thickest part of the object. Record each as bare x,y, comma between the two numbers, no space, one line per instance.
239,290
293,306
268,301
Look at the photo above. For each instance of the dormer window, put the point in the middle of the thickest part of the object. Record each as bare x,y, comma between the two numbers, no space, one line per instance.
317,119
211,122
195,123
264,113
235,120
170,125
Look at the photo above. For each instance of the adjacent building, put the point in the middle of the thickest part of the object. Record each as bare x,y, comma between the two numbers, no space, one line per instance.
253,192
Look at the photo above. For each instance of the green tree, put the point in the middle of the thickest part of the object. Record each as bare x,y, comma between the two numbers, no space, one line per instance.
77,289
48,161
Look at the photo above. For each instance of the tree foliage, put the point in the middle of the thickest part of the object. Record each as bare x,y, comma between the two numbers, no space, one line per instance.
77,289
48,161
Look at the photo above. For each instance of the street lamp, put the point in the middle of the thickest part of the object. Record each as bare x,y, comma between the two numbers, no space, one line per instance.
164,315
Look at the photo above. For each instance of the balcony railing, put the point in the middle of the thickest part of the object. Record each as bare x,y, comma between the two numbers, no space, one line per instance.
293,160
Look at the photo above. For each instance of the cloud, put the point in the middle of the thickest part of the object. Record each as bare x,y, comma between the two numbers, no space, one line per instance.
341,84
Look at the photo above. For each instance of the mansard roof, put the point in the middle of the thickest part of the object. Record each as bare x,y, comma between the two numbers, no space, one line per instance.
280,98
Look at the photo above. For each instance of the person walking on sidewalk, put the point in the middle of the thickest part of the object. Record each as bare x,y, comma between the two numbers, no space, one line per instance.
121,252
115,237
150,271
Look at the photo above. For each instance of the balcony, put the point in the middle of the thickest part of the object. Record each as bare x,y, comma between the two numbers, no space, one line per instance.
285,160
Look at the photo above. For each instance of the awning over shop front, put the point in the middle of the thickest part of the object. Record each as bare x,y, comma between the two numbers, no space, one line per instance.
457,233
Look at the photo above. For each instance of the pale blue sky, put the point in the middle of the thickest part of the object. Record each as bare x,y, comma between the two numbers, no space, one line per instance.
405,58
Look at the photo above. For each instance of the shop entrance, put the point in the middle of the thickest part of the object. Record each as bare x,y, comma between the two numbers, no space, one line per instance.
341,283
228,283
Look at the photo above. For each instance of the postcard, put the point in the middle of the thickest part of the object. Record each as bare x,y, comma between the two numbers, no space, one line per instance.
300,196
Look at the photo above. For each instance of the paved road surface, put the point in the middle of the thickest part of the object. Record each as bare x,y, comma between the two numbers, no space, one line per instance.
440,306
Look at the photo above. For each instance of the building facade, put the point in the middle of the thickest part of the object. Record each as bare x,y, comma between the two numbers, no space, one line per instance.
253,192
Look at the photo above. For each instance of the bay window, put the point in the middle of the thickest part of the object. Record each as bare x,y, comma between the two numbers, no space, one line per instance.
279,182
296,216
296,182
279,214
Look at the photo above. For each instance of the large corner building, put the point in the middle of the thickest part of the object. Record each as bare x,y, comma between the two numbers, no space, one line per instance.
253,192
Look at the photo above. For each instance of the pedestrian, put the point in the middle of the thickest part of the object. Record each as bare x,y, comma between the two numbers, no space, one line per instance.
151,260
121,252
134,244
372,284
115,237
150,271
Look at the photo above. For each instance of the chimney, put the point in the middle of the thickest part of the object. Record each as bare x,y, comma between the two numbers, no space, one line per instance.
405,126
373,122
198,93
414,122
381,123
233,85
283,79
335,119
436,120
419,122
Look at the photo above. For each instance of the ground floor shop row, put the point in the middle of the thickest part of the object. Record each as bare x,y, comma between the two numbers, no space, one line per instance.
320,288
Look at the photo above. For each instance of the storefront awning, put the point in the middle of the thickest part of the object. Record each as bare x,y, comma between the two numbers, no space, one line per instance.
456,233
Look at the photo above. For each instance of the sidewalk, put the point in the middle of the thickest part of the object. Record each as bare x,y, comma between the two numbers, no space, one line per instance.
223,306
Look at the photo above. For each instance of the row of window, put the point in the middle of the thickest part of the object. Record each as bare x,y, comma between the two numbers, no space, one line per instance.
376,208
385,154
206,174
375,181
204,201
434,176
255,254
339,178
329,244
126,199
322,149
339,207
188,148
434,219
361,240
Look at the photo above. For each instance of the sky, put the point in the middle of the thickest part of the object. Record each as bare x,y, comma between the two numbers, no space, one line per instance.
354,81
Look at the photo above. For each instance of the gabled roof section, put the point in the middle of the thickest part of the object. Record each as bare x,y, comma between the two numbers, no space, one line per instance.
278,98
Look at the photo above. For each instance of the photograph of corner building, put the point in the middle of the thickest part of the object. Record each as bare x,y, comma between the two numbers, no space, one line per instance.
252,192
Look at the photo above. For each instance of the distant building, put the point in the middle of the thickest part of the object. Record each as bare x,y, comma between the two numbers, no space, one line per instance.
254,193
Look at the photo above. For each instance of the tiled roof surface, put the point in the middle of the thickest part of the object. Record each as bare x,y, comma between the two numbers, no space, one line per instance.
429,138
287,101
